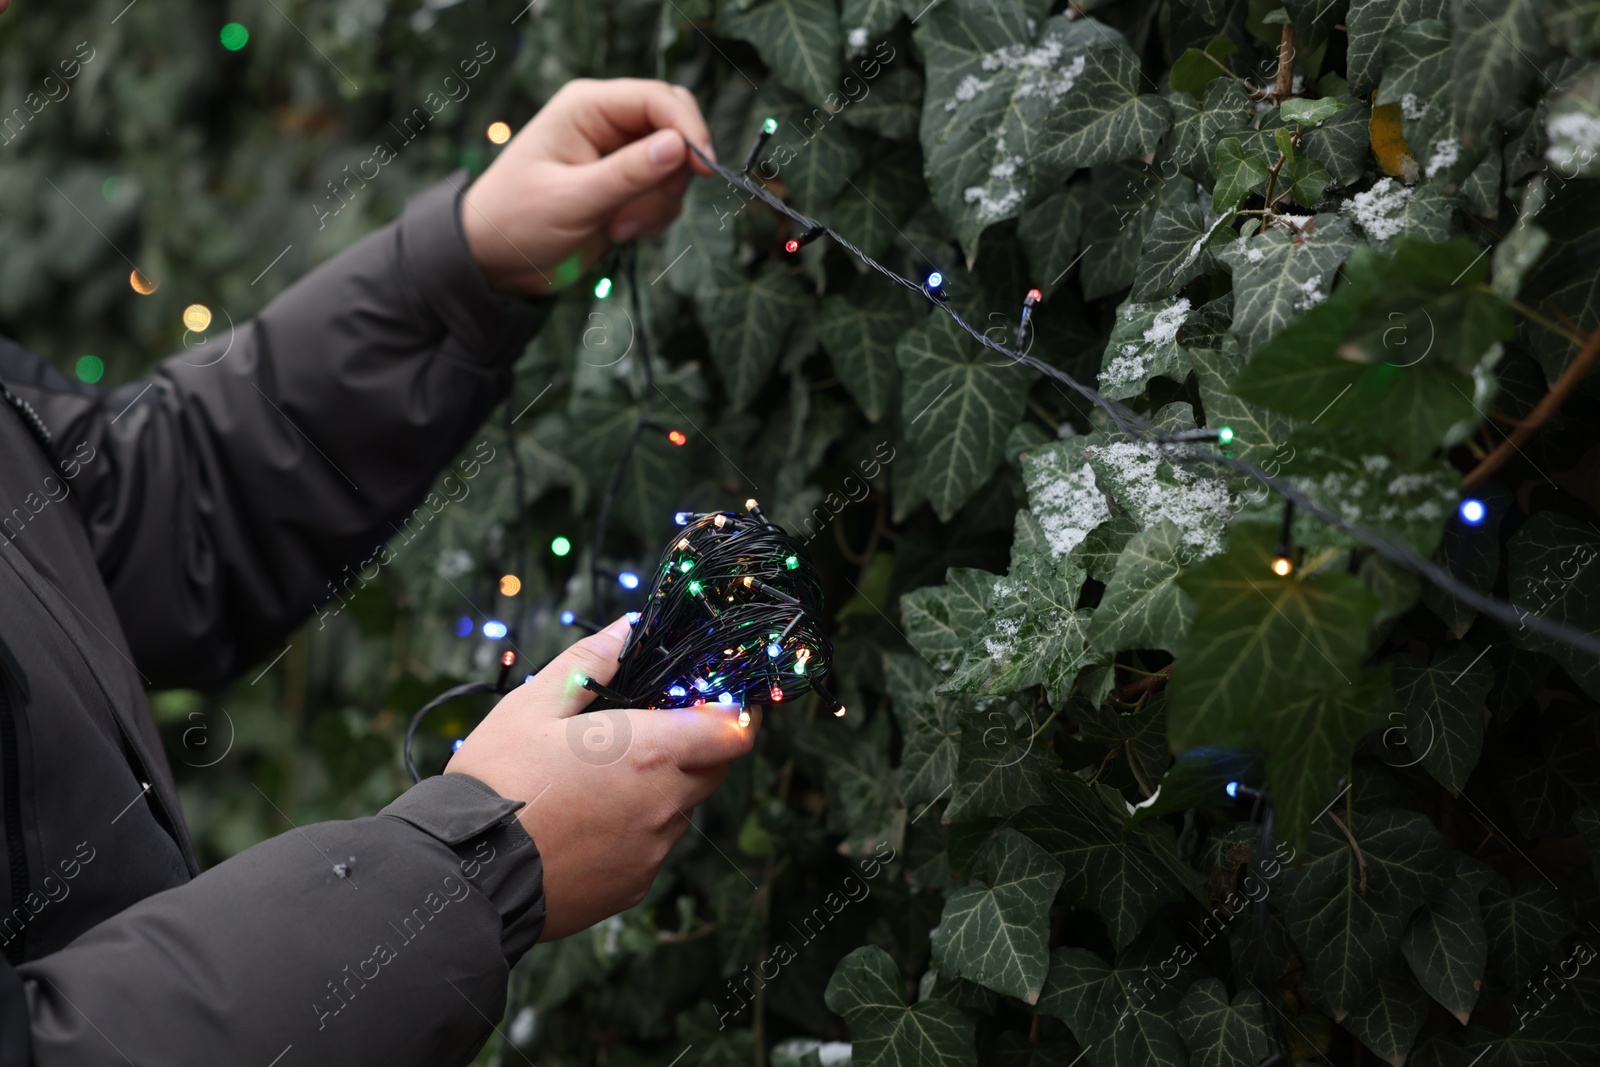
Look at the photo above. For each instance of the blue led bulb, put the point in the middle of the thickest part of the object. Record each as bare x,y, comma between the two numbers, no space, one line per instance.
568,618
1473,511
774,650
1232,789
628,580
494,629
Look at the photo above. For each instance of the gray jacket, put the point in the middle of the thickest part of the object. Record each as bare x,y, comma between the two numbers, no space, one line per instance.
173,532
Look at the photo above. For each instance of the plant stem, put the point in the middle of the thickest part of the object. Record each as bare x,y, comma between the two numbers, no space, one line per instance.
1143,685
1286,48
1564,387
1044,725
1535,317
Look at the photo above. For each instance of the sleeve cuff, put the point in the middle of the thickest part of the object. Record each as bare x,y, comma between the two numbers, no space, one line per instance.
443,275
496,853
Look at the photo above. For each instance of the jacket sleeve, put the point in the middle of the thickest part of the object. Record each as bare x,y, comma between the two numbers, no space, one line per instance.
381,940
225,494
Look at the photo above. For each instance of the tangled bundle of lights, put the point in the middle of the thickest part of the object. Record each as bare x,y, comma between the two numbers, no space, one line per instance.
734,617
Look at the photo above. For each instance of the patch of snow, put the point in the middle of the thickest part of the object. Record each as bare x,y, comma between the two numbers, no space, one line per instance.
1411,107
1381,210
1194,500
1574,137
967,90
1255,255
1003,645
1164,331
1311,294
1445,154
1068,505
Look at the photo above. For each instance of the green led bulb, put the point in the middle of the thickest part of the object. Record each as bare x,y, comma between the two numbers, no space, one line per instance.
792,562
1225,436
580,679
770,126
602,288
560,546
694,587
686,565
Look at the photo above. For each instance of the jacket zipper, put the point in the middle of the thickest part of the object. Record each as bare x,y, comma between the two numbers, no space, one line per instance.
16,853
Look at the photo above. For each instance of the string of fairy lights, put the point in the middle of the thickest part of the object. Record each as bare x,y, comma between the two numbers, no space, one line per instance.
1186,447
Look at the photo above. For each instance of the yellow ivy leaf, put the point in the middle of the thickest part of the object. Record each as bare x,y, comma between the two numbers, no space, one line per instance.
1389,143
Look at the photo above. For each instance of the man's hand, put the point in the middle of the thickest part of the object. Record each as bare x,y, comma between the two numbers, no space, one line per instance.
609,793
603,161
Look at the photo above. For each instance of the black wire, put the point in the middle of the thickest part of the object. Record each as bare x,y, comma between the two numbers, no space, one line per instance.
443,698
1400,554
646,406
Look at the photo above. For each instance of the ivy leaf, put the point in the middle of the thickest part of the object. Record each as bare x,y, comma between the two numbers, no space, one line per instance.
1220,1034
1258,432
1063,496
929,725
1346,937
1416,75
1310,740
1000,767
701,240
880,197
1141,606
997,932
1408,502
747,320
1033,634
1446,946
1175,250
1144,345
1553,574
1050,232
873,18
1111,870
1391,1015
888,1032
1369,24
813,154
1150,486
1498,49
1122,205
1257,639
1340,143
1104,1008
960,401
893,106
991,84
860,334
1401,336
1103,117
1523,922
1306,179
1240,172
1444,710
1276,277
1196,129
941,619
1196,68
799,39
1314,20
1310,112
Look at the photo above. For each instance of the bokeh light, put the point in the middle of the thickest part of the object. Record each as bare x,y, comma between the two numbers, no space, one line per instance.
498,132
510,585
234,36
196,317
90,369
143,284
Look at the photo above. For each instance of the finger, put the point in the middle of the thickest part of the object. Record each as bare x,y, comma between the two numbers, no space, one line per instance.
556,691
611,113
650,214
634,169
698,738
697,786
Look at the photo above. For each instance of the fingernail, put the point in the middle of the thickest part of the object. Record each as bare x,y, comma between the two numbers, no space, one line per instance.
664,148
626,230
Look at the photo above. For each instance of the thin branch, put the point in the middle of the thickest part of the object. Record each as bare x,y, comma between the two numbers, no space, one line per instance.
1564,387
1572,335
1286,48
1147,684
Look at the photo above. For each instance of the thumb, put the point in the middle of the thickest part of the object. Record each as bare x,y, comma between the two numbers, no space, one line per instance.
558,690
635,168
